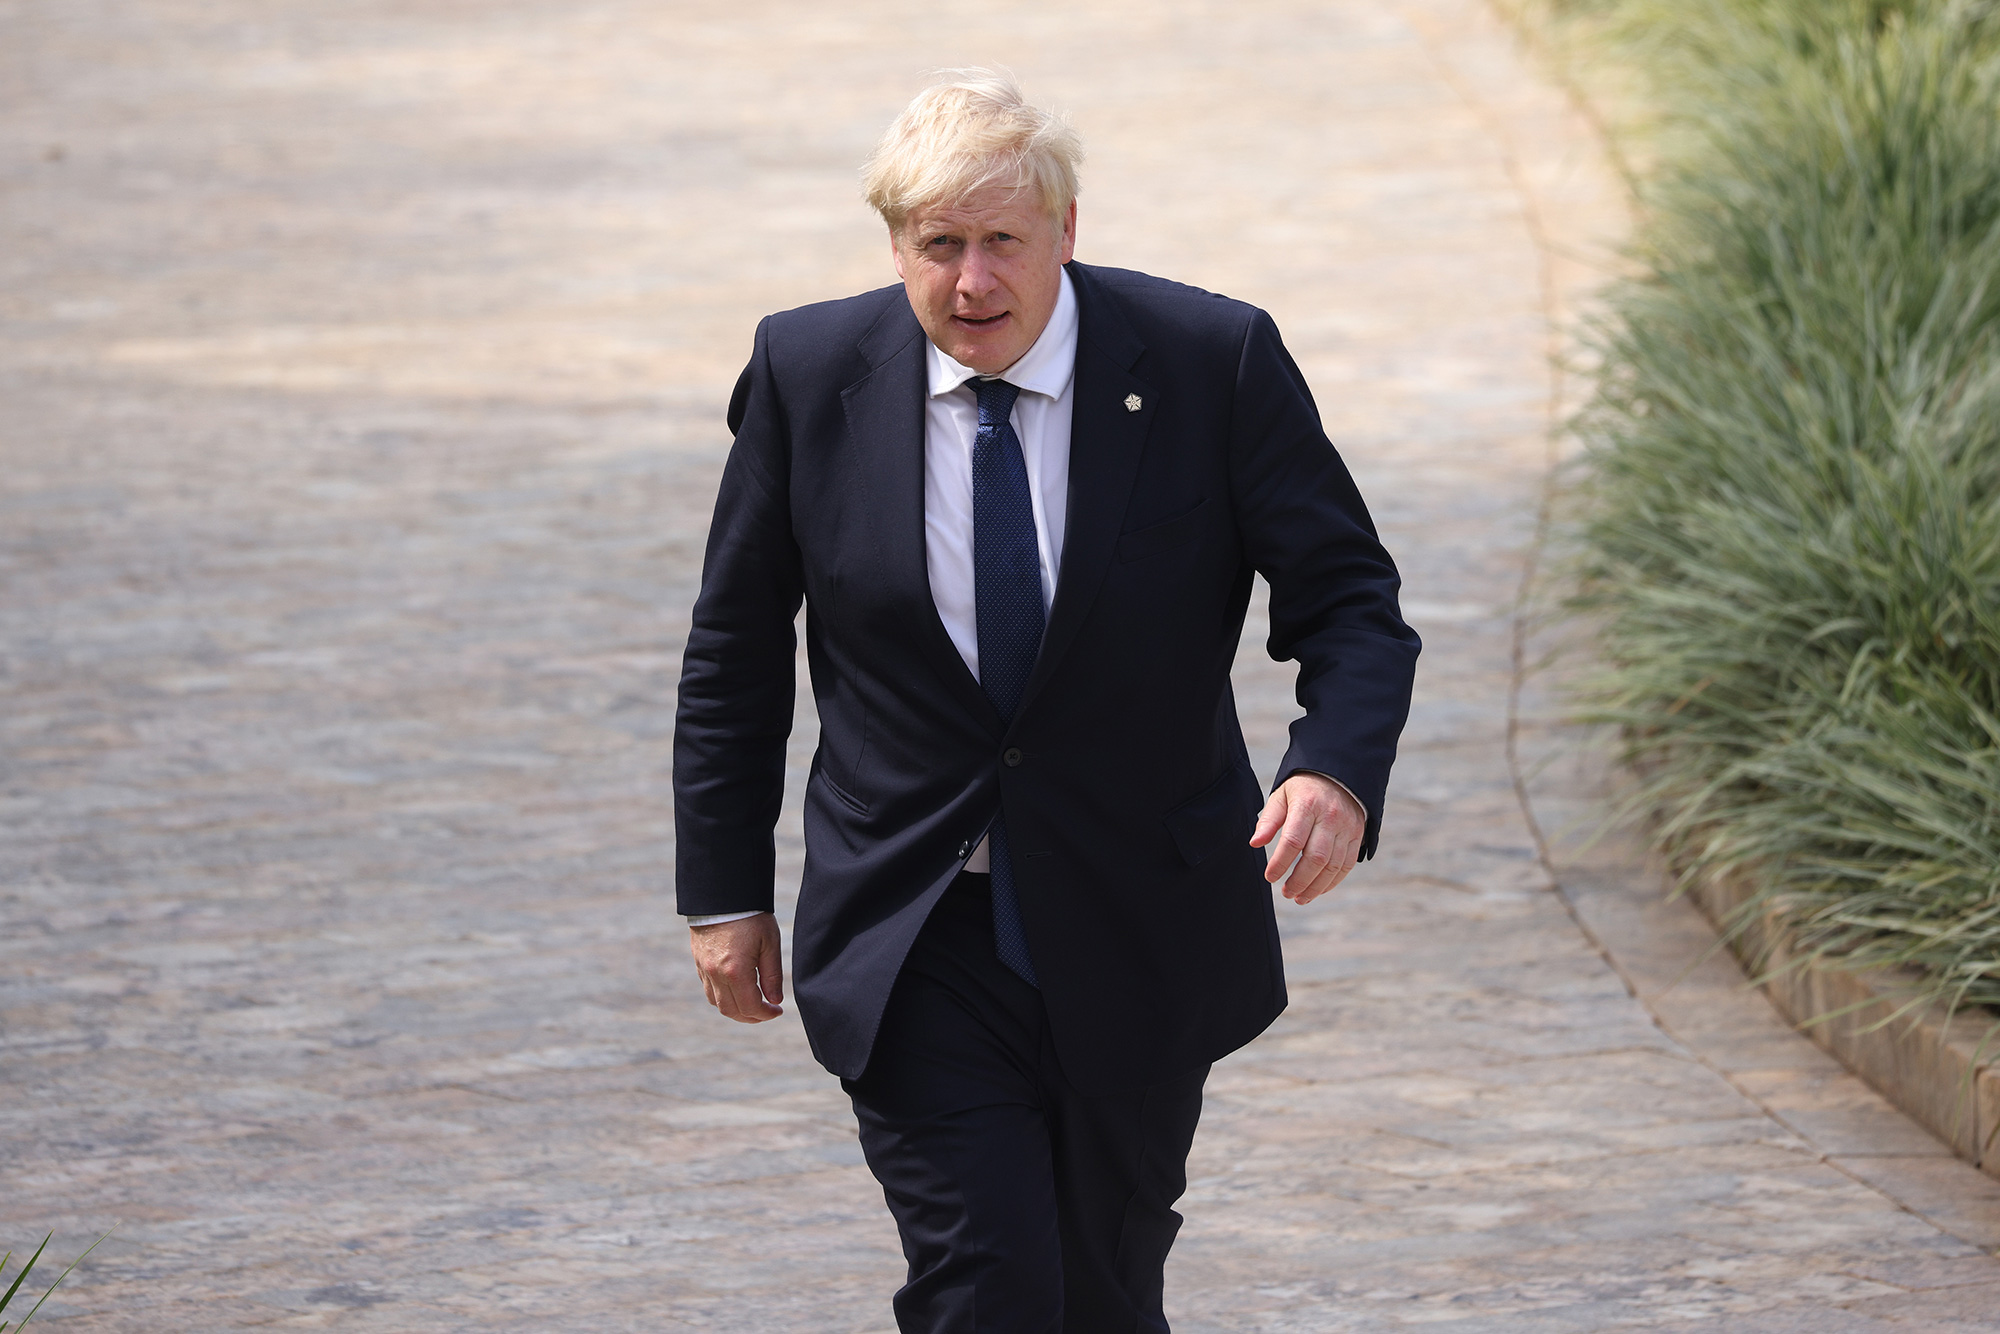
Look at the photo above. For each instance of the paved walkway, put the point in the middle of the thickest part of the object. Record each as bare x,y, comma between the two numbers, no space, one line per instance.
361,369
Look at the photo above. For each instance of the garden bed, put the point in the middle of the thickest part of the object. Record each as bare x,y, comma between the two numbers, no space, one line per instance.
1787,519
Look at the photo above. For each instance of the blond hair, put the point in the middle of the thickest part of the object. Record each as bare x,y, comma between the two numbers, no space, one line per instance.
971,131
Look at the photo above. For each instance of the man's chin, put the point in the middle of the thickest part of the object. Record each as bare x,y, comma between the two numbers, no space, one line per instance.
987,356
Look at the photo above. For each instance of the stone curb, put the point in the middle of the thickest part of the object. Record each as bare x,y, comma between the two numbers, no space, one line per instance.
1944,1072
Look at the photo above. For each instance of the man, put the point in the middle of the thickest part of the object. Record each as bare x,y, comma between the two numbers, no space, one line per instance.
1022,500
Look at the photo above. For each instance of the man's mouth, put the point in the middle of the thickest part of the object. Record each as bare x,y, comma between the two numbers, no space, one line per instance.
980,319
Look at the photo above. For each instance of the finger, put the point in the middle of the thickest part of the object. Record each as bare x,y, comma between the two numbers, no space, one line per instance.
1327,879
729,1000
1319,854
701,969
721,978
751,1008
1337,869
771,969
1321,881
720,994
1269,819
751,969
1319,885
1278,858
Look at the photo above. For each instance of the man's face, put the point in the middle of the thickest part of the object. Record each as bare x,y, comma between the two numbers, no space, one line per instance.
983,272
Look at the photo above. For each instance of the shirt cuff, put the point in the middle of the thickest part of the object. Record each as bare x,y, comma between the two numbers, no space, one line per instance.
710,919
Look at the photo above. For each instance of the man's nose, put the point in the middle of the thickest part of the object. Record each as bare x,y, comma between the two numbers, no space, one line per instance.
975,276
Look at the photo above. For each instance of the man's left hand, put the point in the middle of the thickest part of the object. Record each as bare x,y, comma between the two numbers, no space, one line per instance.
1313,829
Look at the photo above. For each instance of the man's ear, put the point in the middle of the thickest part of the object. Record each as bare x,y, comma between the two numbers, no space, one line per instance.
1069,235
896,254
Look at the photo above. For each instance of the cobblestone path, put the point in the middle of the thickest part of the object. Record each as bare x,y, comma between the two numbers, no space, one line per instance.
361,380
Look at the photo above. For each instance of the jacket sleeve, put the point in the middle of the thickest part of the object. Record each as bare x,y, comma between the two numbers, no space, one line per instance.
737,675
1333,586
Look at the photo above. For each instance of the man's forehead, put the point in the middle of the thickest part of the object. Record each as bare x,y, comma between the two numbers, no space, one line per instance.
980,208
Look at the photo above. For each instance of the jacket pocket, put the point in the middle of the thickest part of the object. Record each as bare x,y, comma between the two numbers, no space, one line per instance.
1157,537
854,803
1206,822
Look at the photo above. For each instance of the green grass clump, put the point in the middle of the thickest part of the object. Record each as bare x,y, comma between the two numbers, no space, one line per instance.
1790,524
14,1289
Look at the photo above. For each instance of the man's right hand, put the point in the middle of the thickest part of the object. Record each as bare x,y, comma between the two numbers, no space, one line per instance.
740,967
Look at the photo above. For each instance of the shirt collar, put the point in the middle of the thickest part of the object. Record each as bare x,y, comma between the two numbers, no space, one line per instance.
1045,368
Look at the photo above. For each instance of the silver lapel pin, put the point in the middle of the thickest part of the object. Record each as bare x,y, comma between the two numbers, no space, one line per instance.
1133,403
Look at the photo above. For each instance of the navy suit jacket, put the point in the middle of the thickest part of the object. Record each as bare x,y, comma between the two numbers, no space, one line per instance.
1196,458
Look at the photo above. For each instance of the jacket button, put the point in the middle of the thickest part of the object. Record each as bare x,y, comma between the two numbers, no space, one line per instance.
1011,757
964,850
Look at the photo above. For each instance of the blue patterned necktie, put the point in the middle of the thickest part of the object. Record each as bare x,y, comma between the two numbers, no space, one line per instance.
1007,583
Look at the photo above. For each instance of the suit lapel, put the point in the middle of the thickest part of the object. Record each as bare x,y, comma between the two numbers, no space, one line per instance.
885,425
1106,439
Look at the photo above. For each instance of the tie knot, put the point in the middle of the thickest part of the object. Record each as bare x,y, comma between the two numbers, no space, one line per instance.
996,400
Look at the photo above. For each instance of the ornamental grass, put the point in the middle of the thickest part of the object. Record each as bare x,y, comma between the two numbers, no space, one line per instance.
1788,518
